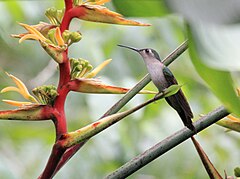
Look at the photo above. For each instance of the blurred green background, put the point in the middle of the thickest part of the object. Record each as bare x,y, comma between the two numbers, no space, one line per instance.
25,146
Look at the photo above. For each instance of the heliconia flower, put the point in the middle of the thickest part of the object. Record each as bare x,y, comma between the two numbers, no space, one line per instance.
54,15
33,33
230,122
91,85
36,112
96,70
53,43
97,2
42,27
233,118
17,103
81,68
95,12
58,37
22,89
84,81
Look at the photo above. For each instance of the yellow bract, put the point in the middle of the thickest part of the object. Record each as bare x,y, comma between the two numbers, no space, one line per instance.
98,2
33,34
233,118
21,88
96,70
36,35
17,103
95,11
58,37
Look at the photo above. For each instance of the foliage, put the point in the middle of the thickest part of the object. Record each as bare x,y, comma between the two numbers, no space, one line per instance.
134,134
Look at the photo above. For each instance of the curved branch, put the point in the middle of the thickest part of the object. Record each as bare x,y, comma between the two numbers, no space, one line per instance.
127,97
167,144
141,84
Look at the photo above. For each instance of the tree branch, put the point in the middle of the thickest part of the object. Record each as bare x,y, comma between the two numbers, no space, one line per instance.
167,144
127,97
143,82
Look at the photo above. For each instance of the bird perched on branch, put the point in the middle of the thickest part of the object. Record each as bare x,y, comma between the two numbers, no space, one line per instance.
162,78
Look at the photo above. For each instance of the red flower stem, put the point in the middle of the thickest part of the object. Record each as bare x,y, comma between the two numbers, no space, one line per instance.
68,4
65,21
60,119
64,69
67,156
59,112
54,159
69,15
60,155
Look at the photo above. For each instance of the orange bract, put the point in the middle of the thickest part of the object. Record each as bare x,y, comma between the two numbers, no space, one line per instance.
97,13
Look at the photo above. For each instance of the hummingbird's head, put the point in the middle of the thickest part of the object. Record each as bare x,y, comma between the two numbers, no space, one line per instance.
146,53
149,53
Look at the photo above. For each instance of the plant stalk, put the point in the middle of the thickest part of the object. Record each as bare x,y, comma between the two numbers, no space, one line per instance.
167,144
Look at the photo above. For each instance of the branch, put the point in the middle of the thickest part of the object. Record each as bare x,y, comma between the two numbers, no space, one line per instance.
73,138
167,144
127,97
141,84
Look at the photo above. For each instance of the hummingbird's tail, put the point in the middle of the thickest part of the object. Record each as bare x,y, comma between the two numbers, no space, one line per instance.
180,104
187,120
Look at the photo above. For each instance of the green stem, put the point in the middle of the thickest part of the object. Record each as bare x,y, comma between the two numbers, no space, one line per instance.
167,144
129,95
72,138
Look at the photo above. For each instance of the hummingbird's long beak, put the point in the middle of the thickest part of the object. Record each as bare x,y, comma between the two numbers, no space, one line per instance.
132,48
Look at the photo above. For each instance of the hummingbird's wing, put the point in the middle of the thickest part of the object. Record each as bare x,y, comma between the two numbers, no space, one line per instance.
178,101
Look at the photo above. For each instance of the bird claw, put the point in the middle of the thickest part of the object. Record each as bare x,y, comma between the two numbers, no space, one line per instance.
155,97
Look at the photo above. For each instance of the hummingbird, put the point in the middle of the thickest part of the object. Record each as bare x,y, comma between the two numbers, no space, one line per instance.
162,78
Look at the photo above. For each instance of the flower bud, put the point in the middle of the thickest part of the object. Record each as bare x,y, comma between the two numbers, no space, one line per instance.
46,94
75,37
54,15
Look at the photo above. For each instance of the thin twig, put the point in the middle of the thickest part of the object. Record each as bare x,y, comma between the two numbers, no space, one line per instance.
128,96
167,144
145,80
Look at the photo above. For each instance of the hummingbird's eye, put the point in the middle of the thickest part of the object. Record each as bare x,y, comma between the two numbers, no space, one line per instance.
147,50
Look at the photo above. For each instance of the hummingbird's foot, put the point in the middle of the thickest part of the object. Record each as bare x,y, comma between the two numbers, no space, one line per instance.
156,97
164,92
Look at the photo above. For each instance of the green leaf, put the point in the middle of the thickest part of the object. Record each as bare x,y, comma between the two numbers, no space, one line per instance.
215,11
140,8
209,45
171,90
220,82
237,171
